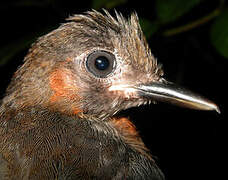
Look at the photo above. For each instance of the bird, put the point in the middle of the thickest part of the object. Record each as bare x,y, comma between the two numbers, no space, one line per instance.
58,116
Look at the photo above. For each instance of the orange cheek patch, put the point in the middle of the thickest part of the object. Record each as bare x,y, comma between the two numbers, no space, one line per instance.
62,83
57,85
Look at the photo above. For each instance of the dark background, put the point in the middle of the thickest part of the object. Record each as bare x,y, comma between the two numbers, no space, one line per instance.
187,144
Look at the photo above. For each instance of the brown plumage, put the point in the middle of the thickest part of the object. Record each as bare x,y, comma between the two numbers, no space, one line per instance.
57,117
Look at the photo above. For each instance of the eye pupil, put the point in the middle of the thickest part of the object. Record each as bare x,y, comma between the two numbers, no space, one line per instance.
102,63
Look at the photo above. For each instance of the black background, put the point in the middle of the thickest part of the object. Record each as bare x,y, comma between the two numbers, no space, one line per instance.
187,144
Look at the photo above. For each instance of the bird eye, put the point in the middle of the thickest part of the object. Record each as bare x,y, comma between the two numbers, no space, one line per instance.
100,63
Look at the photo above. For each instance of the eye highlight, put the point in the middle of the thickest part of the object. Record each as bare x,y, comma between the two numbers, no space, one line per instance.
100,63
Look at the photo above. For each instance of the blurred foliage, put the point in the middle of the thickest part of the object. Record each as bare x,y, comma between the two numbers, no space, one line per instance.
219,33
170,10
107,4
149,28
167,12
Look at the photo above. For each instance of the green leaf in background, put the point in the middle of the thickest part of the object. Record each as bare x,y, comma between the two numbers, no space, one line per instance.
108,4
170,10
148,27
219,33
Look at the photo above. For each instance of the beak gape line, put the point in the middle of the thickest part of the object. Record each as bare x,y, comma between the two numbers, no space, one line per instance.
165,91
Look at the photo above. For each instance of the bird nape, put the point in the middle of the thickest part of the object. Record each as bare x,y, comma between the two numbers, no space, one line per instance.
57,119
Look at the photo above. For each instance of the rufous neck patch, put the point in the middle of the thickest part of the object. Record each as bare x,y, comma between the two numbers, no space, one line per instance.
125,126
130,135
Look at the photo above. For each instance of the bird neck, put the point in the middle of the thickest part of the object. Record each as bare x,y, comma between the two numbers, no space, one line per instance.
122,128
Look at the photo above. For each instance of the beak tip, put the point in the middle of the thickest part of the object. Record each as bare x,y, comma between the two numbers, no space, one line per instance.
217,109
212,106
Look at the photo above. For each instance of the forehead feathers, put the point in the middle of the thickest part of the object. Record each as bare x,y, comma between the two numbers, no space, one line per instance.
123,35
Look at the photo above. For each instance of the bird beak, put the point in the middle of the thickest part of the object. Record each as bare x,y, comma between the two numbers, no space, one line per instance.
169,92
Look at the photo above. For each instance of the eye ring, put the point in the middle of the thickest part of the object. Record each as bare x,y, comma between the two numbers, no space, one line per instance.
100,63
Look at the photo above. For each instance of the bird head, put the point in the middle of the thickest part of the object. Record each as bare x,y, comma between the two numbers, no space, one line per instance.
95,65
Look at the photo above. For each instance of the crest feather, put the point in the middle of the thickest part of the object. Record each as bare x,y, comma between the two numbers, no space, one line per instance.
128,30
